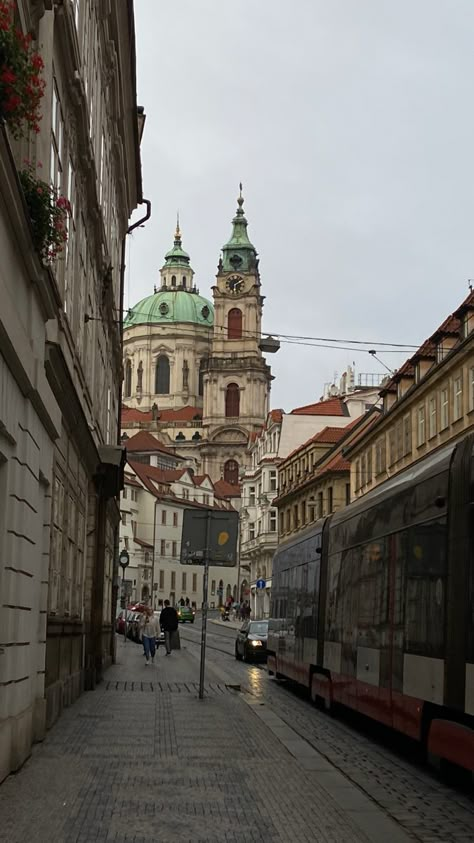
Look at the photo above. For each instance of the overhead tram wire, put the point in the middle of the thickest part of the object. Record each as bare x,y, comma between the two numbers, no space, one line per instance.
300,339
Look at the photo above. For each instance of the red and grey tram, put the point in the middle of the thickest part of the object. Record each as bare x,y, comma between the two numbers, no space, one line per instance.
373,607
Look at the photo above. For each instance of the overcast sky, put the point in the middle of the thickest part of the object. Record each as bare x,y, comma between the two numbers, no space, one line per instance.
351,125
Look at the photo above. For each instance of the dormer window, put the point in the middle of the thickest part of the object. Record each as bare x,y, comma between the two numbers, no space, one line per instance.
468,323
440,352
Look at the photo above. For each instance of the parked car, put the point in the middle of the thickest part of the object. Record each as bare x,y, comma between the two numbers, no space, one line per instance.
185,613
160,638
251,641
133,626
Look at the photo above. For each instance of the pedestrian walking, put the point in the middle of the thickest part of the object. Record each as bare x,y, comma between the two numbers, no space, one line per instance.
169,624
149,630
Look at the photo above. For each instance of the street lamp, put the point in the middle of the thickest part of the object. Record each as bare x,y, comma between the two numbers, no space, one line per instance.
124,560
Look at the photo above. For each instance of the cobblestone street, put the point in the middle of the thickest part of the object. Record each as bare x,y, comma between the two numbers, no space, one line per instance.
142,759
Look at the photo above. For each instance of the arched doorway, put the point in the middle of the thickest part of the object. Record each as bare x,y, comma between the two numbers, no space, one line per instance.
220,592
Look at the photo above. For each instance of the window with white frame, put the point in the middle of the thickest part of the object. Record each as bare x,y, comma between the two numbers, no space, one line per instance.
252,496
433,419
273,480
406,435
457,398
444,415
251,531
273,520
421,436
57,139
380,455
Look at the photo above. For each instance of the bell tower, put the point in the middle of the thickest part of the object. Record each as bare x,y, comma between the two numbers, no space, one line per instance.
236,377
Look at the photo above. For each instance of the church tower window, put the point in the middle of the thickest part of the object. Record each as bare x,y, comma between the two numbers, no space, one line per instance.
231,472
128,379
162,376
234,324
232,401
173,280
201,377
184,281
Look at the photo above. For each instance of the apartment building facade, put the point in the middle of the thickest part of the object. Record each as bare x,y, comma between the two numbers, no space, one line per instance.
60,360
428,402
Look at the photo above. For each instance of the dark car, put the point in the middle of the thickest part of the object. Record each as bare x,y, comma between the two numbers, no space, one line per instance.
251,641
185,613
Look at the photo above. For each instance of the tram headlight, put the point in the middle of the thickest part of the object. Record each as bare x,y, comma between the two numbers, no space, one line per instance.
256,643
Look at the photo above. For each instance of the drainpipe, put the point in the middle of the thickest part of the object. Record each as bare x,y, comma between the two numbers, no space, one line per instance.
140,222
115,581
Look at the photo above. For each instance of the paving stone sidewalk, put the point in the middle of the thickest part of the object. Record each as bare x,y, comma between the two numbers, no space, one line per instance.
142,759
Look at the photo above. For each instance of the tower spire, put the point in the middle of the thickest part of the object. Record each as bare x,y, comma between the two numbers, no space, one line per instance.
177,234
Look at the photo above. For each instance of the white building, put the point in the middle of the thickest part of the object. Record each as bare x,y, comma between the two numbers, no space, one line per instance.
61,365
152,507
281,435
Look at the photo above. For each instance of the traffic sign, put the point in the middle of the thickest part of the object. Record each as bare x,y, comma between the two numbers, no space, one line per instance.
260,583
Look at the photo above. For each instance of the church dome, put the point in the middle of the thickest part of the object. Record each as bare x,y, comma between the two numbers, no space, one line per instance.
170,307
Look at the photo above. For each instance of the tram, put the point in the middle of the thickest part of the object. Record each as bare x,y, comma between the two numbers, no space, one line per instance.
373,606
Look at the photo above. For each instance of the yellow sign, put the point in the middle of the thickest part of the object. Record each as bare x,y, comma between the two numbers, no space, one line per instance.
223,538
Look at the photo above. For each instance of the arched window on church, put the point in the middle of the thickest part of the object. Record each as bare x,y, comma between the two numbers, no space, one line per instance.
201,376
162,376
173,280
184,281
232,401
234,324
128,379
231,472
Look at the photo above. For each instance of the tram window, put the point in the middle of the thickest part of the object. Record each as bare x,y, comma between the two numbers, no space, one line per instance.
426,589
399,544
373,593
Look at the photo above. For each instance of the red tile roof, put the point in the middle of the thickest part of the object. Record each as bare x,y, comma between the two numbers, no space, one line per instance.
131,414
326,436
226,490
276,415
148,473
330,407
131,481
141,542
338,463
145,441
198,479
184,414
468,304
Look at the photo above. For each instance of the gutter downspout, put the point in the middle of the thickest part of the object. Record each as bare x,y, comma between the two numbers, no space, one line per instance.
115,580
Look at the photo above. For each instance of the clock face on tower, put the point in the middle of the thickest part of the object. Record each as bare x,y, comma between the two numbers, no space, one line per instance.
235,284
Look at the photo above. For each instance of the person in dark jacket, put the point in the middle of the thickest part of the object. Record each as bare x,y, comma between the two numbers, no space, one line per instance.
169,624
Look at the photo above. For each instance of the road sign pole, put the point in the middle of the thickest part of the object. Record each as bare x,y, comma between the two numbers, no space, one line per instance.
205,589
125,606
124,559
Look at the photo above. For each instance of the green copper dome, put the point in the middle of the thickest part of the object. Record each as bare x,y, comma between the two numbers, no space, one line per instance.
176,256
238,254
170,307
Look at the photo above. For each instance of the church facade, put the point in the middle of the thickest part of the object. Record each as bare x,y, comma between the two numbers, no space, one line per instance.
194,370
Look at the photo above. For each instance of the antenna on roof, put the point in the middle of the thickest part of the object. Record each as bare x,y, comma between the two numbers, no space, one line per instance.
469,284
